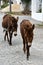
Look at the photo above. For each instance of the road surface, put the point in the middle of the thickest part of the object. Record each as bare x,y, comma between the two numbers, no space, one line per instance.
13,55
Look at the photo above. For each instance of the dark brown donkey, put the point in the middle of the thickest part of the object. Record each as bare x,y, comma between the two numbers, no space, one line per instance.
26,29
9,24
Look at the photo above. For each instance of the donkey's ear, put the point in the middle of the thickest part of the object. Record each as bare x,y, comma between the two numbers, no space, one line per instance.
17,18
33,26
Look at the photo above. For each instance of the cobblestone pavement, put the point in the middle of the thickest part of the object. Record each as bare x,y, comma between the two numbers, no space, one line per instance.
13,55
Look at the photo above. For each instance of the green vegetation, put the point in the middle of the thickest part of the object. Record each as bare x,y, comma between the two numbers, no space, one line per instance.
4,5
5,1
26,9
26,1
40,25
15,13
40,10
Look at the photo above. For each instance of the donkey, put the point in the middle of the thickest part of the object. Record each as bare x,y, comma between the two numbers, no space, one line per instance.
26,29
10,25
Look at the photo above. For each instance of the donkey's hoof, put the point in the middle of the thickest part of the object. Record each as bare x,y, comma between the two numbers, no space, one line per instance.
28,58
10,44
4,39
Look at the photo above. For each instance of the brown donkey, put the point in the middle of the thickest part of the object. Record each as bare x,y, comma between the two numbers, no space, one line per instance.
26,29
9,24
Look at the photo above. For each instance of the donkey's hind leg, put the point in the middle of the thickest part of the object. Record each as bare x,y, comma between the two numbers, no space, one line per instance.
6,35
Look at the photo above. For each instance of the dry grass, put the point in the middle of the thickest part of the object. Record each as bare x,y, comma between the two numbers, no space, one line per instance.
14,7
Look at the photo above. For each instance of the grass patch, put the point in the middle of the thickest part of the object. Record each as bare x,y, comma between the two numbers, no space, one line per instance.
17,13
14,13
4,5
40,24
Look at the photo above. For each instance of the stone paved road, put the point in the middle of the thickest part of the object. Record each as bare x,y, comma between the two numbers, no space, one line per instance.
13,55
